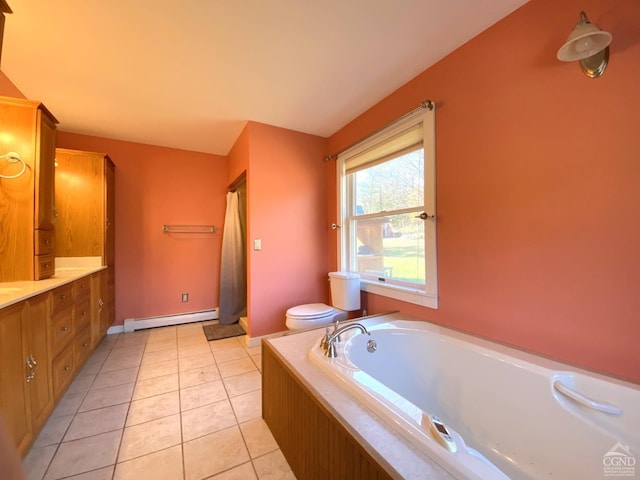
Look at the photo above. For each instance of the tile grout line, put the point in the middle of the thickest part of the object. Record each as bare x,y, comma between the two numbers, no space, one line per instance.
61,441
118,344
124,426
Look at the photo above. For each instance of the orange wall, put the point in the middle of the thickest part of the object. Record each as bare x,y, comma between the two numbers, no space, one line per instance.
538,187
287,207
157,186
8,88
537,191
238,159
154,186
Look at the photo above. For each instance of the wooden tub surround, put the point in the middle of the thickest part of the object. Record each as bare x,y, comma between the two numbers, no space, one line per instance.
315,445
321,429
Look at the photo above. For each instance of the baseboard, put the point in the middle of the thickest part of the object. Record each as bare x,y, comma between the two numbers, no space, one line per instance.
132,324
257,341
115,329
244,323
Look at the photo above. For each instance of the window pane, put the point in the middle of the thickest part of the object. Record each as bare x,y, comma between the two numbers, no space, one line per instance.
391,247
393,185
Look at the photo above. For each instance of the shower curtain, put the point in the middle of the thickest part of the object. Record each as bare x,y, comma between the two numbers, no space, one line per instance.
233,283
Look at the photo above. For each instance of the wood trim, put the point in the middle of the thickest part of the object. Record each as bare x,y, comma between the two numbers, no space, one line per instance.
314,443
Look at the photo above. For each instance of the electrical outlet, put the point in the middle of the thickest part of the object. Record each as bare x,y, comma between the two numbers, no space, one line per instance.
185,297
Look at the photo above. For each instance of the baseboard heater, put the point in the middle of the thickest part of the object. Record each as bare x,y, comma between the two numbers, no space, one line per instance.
132,324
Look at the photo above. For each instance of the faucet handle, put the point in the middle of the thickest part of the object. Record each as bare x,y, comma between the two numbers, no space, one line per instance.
324,343
331,350
335,329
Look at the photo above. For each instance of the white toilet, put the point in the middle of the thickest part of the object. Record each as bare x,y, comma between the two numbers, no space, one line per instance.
345,297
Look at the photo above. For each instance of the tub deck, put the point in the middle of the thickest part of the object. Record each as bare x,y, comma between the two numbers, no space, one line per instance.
379,442
382,439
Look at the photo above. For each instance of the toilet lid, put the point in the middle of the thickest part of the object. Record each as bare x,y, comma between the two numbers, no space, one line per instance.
310,310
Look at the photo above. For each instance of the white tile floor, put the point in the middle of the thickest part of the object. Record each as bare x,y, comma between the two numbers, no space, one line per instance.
161,404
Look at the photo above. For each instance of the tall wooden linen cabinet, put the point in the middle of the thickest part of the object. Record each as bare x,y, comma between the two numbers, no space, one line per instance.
26,202
85,227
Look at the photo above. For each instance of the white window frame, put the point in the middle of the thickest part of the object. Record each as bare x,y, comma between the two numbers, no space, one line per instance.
427,296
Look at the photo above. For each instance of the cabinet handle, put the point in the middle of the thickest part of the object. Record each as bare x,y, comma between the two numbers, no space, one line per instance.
32,372
65,328
100,304
85,344
46,265
67,368
33,361
63,296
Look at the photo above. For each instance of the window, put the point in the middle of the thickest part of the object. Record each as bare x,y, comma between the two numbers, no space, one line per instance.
387,211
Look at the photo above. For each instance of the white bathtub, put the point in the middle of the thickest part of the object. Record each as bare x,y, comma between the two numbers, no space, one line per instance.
506,406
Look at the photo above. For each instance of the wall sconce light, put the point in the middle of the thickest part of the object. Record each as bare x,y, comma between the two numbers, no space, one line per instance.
589,45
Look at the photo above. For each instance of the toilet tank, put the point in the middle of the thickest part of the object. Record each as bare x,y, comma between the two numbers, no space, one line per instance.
345,290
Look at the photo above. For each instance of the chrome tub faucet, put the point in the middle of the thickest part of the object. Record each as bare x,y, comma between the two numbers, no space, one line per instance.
328,343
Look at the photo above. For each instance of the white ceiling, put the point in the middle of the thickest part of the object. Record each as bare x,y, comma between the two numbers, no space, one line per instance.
190,74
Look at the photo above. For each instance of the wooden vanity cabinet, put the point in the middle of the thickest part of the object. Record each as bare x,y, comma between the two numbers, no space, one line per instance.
36,351
85,205
82,345
44,342
70,331
61,334
101,305
85,202
110,226
26,395
61,321
27,250
13,386
44,194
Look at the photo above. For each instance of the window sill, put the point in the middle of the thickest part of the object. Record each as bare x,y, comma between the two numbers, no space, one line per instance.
409,295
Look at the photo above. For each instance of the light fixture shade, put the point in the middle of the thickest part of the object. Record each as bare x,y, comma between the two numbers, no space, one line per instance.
584,41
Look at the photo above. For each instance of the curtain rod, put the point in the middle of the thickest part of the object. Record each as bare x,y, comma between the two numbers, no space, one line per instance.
425,104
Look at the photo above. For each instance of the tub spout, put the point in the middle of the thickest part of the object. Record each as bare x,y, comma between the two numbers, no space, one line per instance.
329,343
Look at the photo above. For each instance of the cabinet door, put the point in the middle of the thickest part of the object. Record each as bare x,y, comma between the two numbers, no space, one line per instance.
40,390
110,293
110,230
16,196
13,375
99,307
45,173
106,304
79,204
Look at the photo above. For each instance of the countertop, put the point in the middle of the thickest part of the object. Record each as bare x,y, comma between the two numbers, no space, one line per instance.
66,272
401,458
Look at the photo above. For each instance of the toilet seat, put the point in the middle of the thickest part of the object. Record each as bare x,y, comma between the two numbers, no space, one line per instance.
309,316
310,311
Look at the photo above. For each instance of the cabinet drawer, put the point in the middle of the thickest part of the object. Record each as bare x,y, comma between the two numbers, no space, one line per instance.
82,288
61,329
62,298
63,370
82,314
44,242
81,346
45,266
